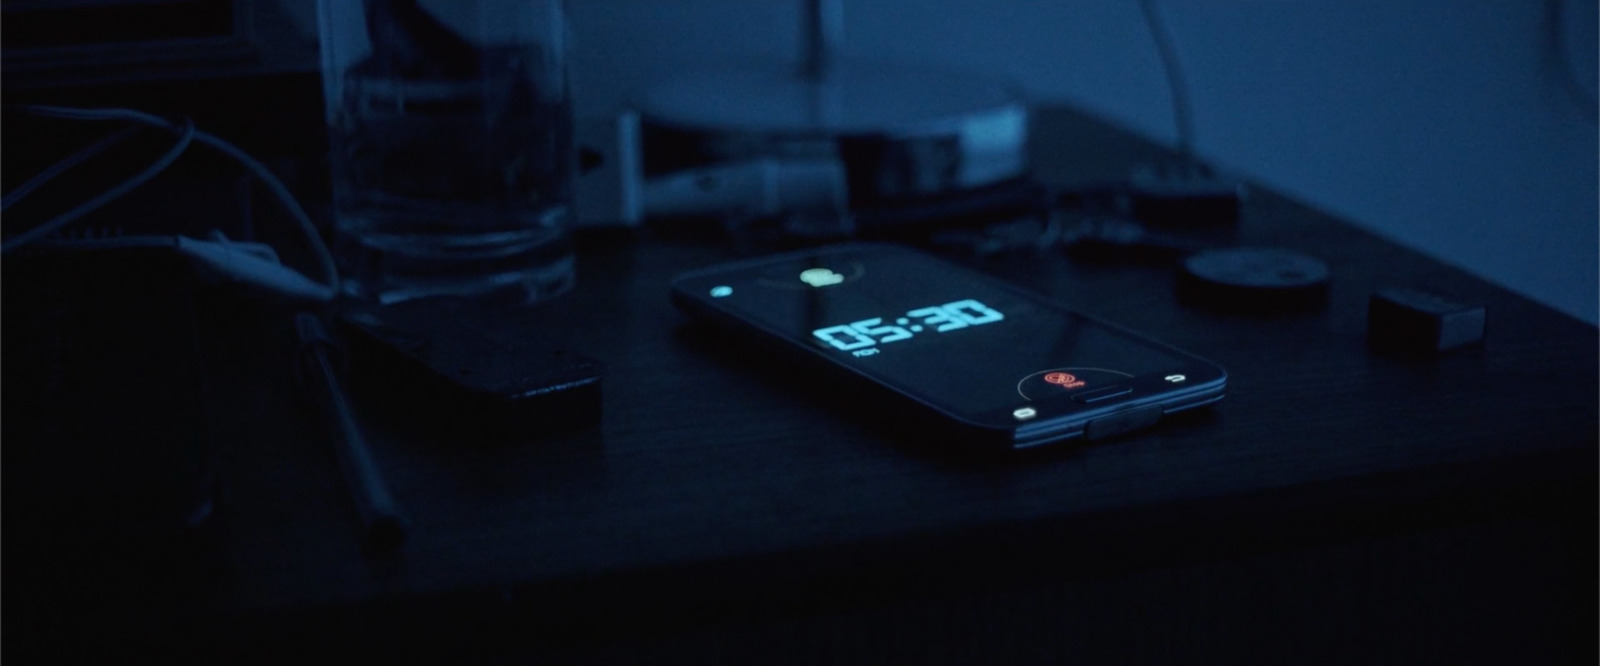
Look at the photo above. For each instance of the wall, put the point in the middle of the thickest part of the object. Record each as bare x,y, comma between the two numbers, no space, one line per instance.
1451,126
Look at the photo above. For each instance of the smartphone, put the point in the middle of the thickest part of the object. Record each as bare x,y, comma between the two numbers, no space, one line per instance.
964,353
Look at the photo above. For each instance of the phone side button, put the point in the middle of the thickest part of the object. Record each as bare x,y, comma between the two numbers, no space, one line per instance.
1099,394
1121,422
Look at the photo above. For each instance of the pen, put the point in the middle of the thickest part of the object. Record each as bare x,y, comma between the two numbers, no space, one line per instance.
383,526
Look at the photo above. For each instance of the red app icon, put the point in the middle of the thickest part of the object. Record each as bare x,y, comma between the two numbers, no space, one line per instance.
1063,379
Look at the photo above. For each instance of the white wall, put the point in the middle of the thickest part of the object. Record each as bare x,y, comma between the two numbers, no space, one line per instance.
1447,125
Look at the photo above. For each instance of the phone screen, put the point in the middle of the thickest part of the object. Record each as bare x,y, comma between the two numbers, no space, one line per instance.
966,343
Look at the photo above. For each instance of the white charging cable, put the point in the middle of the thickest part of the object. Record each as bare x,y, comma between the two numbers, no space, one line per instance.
22,191
251,263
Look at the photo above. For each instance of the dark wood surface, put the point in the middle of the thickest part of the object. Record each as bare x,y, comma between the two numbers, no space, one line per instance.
721,489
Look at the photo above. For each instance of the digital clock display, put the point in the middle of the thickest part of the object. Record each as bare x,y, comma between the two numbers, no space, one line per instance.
967,343
937,318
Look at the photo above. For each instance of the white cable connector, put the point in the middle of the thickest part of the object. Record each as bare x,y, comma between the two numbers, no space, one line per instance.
609,180
252,265
255,265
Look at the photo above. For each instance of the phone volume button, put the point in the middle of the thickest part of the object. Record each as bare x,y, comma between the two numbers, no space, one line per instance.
1127,420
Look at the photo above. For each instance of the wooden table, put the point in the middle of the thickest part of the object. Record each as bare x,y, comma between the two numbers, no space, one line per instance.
1338,506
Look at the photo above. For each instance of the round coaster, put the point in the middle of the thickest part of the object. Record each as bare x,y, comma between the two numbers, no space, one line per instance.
1253,278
